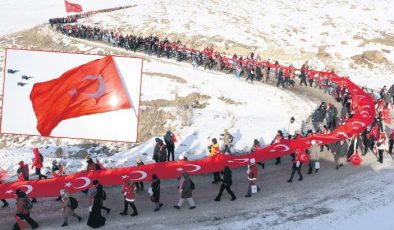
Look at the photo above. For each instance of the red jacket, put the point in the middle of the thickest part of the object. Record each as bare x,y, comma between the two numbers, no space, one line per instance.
128,192
252,172
37,162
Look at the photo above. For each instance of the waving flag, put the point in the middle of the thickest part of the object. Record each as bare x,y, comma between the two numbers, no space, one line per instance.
72,7
91,88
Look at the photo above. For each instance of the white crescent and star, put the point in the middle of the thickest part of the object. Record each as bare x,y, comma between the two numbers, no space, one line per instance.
239,160
363,112
142,175
357,122
100,90
29,188
343,134
359,96
195,168
86,182
366,106
285,148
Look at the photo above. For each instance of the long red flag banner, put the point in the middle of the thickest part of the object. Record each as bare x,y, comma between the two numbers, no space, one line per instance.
364,113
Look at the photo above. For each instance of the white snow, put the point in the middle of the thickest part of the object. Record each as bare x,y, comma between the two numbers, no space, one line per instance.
291,31
16,15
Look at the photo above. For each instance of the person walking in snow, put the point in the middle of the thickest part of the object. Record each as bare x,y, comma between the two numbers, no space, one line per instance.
252,172
155,193
314,157
160,152
68,209
128,191
257,146
381,146
303,75
278,138
292,128
185,189
214,150
297,164
95,219
91,166
340,151
139,184
170,145
37,163
391,141
23,208
227,140
280,79
226,184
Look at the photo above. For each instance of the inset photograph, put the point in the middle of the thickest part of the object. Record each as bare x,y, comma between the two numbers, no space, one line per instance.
71,95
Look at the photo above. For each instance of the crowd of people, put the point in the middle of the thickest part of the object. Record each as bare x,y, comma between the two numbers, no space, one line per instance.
323,120
74,18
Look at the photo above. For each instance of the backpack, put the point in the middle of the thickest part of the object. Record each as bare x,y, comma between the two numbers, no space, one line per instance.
28,204
104,196
73,203
192,185
42,158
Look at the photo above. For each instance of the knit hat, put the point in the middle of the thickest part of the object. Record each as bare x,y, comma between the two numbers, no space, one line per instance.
252,161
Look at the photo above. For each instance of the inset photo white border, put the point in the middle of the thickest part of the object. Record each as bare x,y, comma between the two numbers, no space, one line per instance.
18,116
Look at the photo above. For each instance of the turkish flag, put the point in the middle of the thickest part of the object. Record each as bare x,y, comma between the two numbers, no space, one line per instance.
72,7
355,159
94,87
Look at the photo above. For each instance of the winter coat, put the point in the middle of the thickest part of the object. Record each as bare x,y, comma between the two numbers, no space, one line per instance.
156,190
292,128
342,148
23,172
92,166
227,177
160,152
387,98
214,149
227,138
168,138
252,172
37,162
67,210
20,206
185,186
128,192
381,143
315,153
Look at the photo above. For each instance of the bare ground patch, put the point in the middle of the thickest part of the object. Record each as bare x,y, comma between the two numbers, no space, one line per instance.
166,75
229,101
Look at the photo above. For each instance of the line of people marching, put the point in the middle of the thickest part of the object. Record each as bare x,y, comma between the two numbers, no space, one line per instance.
323,120
372,139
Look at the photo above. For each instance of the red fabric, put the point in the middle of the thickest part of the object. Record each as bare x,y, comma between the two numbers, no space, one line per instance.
253,173
128,191
37,163
363,117
386,116
355,159
303,157
72,7
174,138
84,90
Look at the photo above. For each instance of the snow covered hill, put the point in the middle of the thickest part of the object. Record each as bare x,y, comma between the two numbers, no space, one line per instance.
356,38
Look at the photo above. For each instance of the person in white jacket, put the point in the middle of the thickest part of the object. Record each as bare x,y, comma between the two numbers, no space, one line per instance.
292,128
381,146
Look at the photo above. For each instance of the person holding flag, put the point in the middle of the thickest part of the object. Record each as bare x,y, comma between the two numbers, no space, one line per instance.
213,151
252,172
300,157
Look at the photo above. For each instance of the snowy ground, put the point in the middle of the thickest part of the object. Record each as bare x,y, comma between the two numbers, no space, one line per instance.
327,33
291,32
